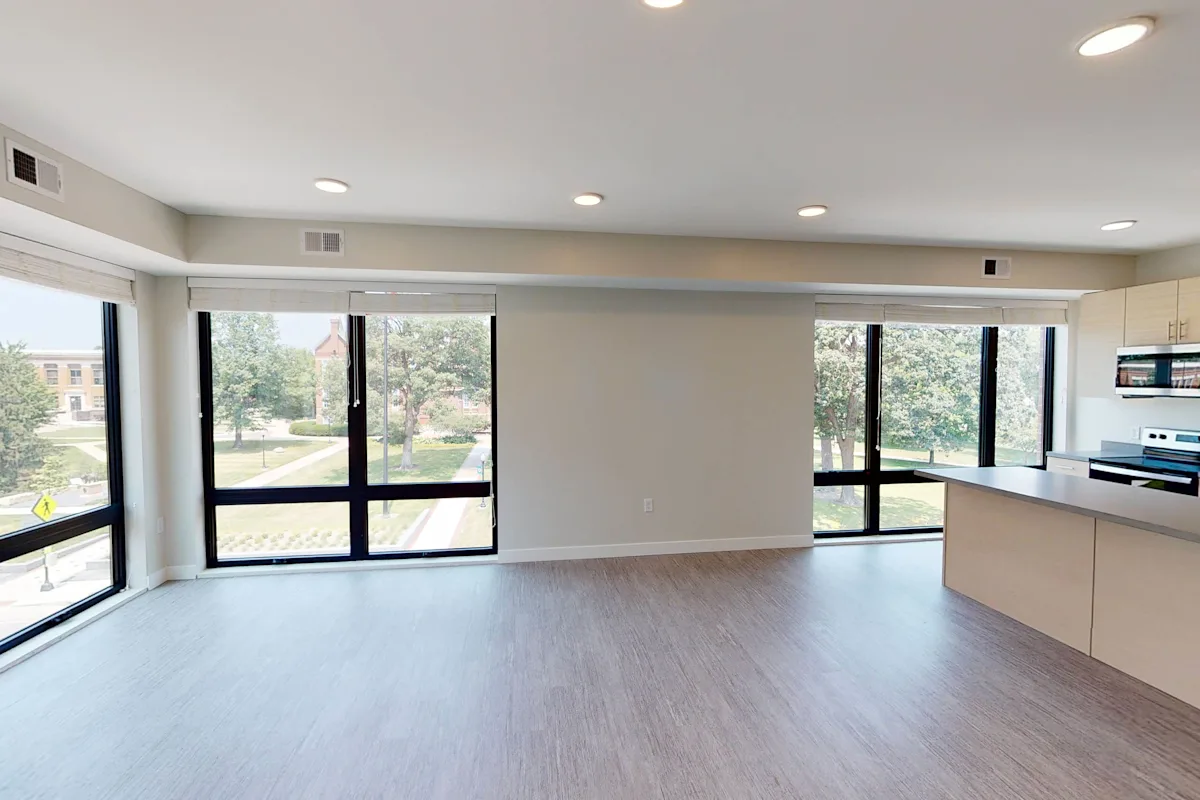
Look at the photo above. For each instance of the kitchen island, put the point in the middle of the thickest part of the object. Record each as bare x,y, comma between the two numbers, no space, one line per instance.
1111,570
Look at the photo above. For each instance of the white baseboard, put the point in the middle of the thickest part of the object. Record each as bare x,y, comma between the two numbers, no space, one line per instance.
655,548
157,579
165,574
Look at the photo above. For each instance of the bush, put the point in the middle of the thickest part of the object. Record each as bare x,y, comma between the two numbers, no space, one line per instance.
312,427
459,438
459,424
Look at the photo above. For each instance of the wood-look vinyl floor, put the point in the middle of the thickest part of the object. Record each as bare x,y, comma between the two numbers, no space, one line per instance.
840,672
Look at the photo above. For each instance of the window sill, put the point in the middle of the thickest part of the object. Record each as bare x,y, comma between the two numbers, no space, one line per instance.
887,539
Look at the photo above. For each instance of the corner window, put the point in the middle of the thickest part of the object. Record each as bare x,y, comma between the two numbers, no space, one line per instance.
61,513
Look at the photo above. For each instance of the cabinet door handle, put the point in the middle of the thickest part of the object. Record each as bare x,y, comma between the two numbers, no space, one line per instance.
1171,331
1182,329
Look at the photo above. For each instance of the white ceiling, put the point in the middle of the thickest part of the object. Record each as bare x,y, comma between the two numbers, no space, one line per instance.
926,121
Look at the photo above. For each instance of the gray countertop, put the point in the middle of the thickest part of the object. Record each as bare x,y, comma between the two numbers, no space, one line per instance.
1086,455
1149,509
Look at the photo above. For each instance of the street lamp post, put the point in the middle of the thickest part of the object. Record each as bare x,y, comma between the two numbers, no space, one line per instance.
264,449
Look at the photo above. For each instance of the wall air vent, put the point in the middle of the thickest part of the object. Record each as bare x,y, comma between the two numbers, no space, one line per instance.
997,268
322,243
32,170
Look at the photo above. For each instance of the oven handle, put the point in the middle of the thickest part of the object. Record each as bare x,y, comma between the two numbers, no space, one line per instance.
1132,473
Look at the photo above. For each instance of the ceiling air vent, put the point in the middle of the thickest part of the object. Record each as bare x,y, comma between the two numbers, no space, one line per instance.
997,268
32,170
322,243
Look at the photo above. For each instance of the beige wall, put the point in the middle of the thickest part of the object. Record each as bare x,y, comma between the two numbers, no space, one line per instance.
701,401
100,204
1168,265
545,256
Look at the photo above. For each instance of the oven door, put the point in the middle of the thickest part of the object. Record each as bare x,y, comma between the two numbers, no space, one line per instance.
1150,480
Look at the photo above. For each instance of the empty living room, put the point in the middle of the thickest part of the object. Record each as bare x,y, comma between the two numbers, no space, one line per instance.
607,400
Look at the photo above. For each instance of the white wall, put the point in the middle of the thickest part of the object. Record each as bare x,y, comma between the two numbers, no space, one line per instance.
139,428
177,395
701,401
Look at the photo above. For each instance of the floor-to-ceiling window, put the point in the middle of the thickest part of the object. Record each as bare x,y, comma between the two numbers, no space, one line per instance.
334,436
61,497
895,397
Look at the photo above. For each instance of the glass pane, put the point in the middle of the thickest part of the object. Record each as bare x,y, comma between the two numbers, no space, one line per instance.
436,375
930,396
450,523
840,373
1020,377
279,399
911,505
52,423
40,584
284,529
838,508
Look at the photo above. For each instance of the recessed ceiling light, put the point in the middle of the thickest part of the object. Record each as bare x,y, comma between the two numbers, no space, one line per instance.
812,211
331,185
1124,224
589,199
1116,37
663,3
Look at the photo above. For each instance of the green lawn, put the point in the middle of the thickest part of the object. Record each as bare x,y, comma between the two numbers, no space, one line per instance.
90,433
902,505
431,462
234,466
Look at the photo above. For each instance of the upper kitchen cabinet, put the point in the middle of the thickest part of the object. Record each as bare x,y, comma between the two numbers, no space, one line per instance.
1189,311
1101,332
1152,314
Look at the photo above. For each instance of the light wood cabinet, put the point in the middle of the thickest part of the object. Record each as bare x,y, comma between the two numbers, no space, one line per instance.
1101,332
1189,311
1147,608
1152,314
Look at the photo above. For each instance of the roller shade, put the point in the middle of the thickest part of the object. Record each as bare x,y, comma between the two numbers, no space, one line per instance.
57,275
421,303
300,300
233,294
961,312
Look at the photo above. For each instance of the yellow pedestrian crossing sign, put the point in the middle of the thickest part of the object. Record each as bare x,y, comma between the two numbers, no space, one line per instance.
43,509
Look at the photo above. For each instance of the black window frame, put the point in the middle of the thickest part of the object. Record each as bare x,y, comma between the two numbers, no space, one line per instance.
358,492
873,477
112,516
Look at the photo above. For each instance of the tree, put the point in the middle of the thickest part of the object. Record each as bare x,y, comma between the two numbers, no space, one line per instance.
840,387
247,370
930,392
333,390
428,358
26,404
298,384
1019,378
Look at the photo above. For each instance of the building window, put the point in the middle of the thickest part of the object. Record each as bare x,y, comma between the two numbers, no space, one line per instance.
98,402
390,468
891,399
76,373
97,375
468,403
61,548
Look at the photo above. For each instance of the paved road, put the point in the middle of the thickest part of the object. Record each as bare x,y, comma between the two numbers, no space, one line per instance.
272,475
443,521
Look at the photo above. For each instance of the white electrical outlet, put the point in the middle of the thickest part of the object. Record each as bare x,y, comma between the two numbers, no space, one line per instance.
648,505
161,525
1135,434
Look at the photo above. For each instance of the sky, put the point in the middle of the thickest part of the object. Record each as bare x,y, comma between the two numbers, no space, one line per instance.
47,319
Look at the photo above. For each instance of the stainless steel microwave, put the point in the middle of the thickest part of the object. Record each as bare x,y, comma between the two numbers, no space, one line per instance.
1168,370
